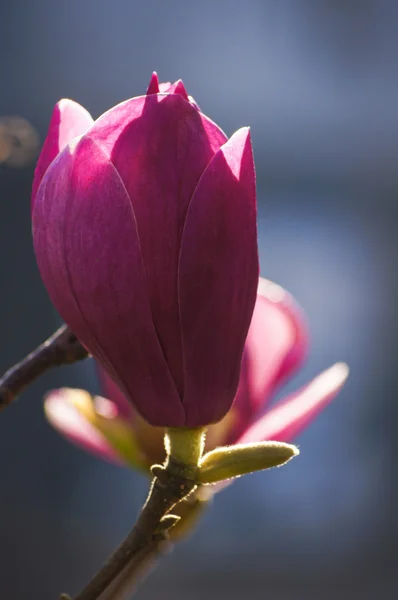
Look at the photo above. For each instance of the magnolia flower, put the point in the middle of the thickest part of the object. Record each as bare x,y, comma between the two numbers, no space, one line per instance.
275,348
144,229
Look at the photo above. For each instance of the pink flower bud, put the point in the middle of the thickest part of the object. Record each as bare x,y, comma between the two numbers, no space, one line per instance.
144,230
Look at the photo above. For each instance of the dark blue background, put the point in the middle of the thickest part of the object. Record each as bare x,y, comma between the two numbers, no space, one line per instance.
317,82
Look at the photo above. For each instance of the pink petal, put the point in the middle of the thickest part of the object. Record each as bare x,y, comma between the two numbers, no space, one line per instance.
289,417
298,350
89,256
71,424
218,275
276,346
68,121
160,145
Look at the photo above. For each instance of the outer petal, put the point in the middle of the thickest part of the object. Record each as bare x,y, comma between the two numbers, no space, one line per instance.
69,120
218,275
84,255
295,413
72,424
160,145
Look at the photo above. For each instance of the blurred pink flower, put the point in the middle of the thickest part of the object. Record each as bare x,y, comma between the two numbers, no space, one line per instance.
276,346
144,230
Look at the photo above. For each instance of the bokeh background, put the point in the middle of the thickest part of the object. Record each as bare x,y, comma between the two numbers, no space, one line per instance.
317,81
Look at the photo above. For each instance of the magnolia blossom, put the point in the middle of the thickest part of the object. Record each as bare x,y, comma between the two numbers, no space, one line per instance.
144,229
276,346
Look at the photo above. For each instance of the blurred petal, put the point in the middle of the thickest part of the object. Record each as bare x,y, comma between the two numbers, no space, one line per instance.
160,145
112,391
69,120
94,424
290,416
149,438
219,434
72,424
218,276
71,221
299,347
276,346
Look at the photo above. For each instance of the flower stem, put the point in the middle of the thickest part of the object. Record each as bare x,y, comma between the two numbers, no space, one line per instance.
185,445
165,492
124,585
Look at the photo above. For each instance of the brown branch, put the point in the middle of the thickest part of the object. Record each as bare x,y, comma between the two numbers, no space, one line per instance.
168,488
62,348
140,565
138,568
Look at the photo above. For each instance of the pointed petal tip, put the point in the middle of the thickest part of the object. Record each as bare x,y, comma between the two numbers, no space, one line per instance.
179,88
242,132
293,414
238,152
64,103
342,368
69,120
153,87
241,138
335,377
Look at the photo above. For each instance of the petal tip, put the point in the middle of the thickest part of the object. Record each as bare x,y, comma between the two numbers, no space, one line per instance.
339,372
243,133
179,88
63,103
153,87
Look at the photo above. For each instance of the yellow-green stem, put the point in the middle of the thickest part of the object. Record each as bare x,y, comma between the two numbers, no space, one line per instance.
185,445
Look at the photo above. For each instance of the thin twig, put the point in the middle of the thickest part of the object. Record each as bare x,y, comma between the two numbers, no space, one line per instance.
133,551
62,348
140,565
138,568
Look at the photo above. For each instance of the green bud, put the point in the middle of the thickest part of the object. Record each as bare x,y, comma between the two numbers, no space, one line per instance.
228,462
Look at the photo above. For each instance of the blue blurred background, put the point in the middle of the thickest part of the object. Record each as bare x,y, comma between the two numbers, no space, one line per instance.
317,82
